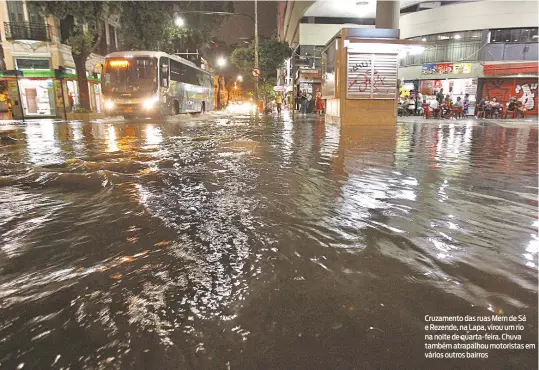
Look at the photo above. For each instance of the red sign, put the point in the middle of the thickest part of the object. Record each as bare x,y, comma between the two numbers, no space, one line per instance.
509,69
256,72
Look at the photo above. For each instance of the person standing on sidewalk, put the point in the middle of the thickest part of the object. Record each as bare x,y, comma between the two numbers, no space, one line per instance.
319,103
303,102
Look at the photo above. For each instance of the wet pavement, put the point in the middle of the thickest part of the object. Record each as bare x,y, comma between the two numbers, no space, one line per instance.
222,243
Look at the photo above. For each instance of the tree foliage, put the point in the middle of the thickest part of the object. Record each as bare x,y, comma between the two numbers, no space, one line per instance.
145,25
150,25
83,43
272,55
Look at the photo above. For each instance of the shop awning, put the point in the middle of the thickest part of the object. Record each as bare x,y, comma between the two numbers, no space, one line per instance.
45,74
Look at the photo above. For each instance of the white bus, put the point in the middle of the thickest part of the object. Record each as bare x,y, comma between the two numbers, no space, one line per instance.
153,84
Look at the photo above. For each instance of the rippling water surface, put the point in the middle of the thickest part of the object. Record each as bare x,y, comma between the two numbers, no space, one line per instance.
234,243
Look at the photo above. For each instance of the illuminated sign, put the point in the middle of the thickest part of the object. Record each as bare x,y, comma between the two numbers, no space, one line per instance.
119,63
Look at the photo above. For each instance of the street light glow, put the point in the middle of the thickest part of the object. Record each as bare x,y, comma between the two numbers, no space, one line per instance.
239,78
221,62
179,22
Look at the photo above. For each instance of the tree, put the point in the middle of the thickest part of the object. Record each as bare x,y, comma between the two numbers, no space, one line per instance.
150,25
84,38
272,55
146,25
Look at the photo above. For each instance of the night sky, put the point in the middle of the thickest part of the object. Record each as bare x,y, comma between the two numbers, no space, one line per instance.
236,26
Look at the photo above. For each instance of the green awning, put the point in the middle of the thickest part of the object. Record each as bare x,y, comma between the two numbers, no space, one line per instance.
47,74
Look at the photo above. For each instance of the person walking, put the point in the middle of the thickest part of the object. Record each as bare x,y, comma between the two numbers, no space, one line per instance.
279,102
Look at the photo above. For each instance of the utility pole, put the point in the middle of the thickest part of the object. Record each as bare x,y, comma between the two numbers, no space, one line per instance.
256,50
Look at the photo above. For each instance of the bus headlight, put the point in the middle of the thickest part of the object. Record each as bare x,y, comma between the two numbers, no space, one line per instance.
109,104
148,104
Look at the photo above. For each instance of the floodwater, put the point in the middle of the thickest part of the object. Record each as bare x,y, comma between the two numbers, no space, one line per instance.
219,243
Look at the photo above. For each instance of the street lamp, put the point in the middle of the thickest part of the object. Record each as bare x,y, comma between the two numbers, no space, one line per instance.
179,22
221,62
239,78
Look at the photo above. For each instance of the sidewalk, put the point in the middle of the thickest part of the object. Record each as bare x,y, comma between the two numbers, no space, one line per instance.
492,121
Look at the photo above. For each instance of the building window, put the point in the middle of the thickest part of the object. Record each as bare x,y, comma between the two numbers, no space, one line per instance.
112,36
513,35
33,63
16,13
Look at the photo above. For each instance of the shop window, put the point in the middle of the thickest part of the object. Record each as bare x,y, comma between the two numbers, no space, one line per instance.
33,64
513,35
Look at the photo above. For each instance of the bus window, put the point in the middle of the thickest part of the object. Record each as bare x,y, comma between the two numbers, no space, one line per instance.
132,75
163,62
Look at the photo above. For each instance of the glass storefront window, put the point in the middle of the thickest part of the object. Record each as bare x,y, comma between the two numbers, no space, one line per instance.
37,97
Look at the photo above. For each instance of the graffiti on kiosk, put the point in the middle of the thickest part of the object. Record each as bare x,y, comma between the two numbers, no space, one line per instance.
357,66
528,95
367,82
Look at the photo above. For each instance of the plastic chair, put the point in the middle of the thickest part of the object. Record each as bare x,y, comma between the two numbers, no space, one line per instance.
426,111
456,112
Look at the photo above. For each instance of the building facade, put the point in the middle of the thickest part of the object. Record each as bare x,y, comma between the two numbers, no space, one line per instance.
35,46
478,47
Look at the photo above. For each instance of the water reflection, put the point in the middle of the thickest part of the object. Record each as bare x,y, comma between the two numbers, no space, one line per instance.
179,245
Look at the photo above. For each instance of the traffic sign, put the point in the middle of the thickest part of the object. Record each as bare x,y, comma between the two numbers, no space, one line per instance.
256,72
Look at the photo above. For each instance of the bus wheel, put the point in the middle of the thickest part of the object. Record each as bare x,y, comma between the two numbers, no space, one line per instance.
203,108
175,108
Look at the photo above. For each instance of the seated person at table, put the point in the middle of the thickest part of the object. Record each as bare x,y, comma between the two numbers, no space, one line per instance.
458,103
521,108
433,106
466,102
495,106
485,105
420,110
410,105
512,105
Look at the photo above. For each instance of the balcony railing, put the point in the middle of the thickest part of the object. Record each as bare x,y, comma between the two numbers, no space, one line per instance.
445,52
27,31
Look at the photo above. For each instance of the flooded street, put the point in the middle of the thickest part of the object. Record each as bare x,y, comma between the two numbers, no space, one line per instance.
235,243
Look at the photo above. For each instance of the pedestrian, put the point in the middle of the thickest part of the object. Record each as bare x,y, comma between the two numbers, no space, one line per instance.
71,101
440,96
466,103
290,107
319,103
303,102
279,102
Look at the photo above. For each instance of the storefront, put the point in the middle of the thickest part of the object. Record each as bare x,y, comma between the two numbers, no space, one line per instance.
454,78
503,89
507,80
455,87
36,93
41,93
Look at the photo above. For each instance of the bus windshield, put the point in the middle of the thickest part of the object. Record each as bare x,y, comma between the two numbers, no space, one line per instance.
136,76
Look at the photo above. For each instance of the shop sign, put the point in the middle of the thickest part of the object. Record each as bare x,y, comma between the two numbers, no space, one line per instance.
371,76
446,68
510,69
